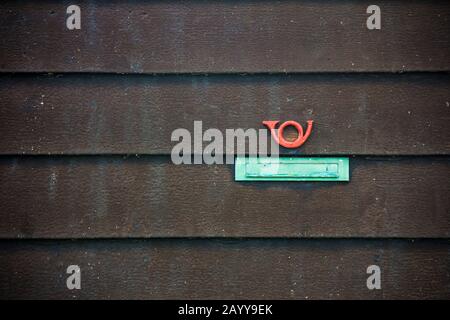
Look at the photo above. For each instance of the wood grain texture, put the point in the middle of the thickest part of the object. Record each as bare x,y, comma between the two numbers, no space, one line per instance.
224,36
95,114
213,269
113,197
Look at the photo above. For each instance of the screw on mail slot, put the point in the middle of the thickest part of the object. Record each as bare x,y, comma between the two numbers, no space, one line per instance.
291,169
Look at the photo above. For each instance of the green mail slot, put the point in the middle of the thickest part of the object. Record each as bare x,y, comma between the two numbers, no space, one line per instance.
291,169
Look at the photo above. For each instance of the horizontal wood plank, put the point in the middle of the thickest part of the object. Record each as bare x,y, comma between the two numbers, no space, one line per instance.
116,197
212,269
224,36
103,114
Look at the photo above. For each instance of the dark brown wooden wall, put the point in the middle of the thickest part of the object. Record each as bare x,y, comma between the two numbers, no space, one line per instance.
225,36
86,176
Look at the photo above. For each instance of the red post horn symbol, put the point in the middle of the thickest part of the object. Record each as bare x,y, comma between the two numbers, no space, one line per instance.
279,138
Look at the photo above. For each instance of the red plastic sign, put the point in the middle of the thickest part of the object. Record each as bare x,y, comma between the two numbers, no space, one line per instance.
279,138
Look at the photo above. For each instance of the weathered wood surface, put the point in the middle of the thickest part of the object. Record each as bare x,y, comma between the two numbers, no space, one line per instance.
104,114
91,197
106,197
207,269
224,36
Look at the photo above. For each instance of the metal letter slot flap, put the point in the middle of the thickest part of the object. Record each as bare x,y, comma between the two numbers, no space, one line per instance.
291,169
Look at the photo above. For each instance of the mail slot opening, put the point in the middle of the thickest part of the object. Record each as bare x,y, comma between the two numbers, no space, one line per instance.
291,169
